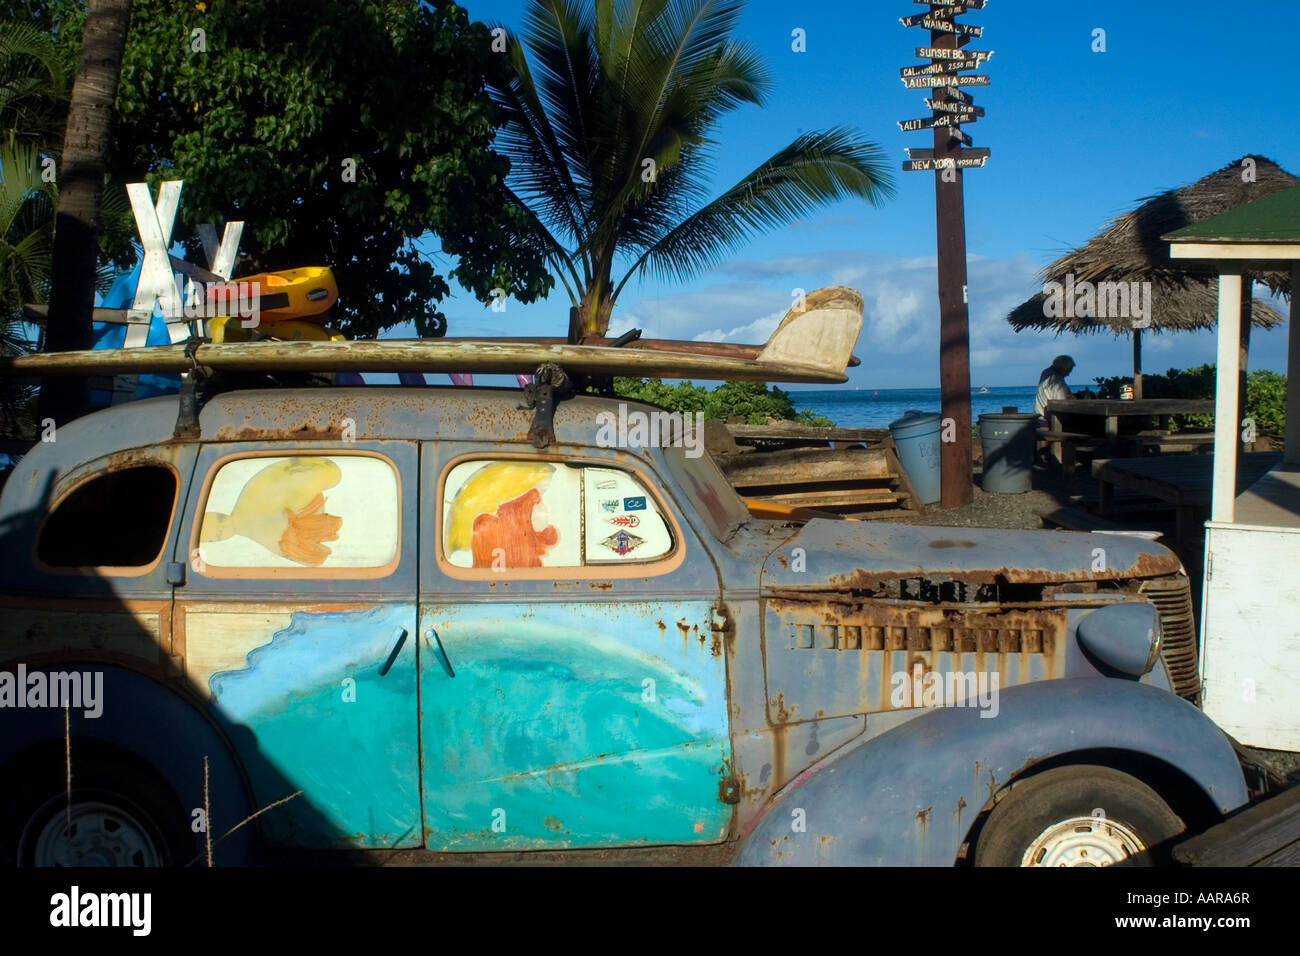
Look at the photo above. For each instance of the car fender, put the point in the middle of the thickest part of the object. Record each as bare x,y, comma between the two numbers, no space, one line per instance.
155,723
909,796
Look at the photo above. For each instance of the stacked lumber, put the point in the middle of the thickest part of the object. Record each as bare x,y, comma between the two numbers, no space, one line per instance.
852,472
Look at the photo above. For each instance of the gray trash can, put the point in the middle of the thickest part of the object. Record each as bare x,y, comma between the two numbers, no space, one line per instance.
916,436
1007,440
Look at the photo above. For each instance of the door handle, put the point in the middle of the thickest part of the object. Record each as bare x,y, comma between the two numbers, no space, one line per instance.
399,635
443,659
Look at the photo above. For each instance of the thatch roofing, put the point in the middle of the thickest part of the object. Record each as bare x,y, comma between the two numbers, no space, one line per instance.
1184,294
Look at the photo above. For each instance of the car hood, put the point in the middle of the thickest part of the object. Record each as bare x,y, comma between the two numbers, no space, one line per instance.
859,555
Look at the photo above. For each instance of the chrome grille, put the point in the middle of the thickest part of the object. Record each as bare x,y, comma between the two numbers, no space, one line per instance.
1172,597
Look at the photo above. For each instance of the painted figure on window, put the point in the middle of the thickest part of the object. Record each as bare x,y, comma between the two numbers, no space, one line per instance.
282,508
492,516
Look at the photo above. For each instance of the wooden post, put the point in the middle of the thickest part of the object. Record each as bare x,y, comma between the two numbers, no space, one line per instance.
1291,441
1243,354
1137,363
1226,430
954,333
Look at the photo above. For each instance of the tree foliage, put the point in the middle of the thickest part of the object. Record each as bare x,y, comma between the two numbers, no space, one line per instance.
257,106
611,105
752,402
1265,394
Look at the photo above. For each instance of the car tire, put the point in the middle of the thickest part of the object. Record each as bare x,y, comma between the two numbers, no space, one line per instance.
122,813
1078,816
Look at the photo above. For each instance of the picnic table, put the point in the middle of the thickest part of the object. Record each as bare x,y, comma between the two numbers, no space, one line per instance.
1185,481
1112,410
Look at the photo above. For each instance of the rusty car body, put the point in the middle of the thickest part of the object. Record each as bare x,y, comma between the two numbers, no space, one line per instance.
745,690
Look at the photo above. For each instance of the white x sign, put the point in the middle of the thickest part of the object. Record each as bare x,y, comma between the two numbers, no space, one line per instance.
154,223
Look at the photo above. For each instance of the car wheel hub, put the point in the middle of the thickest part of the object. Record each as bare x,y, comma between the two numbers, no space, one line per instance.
1083,841
98,834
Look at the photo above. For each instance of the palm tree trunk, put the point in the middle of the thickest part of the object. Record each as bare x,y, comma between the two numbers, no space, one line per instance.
85,153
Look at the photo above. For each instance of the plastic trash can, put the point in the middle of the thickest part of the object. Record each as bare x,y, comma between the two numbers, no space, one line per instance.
1007,441
916,436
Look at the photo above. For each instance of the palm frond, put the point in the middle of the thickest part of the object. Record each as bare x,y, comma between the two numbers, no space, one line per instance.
816,169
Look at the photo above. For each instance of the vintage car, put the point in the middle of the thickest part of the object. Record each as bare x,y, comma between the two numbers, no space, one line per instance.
379,618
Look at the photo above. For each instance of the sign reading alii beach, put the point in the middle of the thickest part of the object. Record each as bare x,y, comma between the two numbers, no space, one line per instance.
950,109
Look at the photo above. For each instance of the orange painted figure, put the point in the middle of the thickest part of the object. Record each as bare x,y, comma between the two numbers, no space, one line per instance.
492,516
511,530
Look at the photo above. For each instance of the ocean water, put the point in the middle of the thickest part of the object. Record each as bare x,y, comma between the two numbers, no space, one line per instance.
876,408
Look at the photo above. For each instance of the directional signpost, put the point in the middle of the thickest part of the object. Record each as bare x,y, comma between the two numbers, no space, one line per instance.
950,109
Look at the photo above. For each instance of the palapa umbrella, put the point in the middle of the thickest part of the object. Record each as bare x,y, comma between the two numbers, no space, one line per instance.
1101,286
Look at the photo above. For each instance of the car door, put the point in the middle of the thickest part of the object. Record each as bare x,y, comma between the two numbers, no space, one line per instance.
296,620
573,686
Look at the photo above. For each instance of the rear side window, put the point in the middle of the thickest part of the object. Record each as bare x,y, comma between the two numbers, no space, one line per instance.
114,520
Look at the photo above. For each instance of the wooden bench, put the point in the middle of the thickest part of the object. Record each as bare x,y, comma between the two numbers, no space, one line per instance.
1145,444
1065,447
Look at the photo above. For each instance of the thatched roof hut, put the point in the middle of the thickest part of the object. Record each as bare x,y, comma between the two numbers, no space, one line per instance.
1183,296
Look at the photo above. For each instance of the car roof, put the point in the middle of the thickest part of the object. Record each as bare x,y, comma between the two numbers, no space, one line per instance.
376,413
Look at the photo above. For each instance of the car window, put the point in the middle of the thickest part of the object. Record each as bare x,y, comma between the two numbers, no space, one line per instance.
300,512
525,514
117,520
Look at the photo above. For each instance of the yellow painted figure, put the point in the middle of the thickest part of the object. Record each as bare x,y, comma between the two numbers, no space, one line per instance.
282,509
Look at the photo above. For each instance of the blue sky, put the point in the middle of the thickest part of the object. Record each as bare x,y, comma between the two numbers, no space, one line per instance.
1077,137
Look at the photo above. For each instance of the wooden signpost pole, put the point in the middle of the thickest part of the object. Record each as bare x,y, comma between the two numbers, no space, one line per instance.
950,108
954,335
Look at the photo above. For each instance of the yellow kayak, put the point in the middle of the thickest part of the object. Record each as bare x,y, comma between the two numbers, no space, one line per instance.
287,294
230,328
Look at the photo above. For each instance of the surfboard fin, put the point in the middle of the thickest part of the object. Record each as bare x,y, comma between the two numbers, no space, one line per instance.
820,336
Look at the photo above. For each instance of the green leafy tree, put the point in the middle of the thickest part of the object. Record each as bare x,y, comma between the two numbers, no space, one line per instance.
610,108
1265,394
340,132
753,402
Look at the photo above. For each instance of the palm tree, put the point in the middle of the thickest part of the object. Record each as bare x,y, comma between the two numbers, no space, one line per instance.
86,144
608,136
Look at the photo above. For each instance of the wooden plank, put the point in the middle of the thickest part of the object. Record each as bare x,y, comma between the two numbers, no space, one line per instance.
801,466
851,496
1145,406
809,432
1267,831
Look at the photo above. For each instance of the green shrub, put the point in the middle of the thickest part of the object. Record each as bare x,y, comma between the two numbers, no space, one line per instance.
1265,395
752,402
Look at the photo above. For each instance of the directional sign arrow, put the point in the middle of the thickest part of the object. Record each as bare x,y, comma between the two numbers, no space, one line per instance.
948,106
947,26
968,4
956,134
944,79
981,153
948,66
947,53
929,122
926,165
958,96
945,12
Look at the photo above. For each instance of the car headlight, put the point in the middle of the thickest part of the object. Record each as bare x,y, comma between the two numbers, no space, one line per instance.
1125,636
